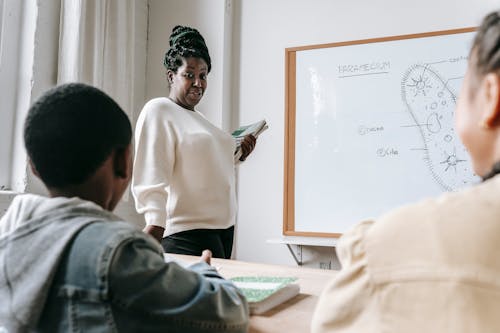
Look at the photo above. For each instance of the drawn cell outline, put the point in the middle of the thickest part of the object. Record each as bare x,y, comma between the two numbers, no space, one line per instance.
431,104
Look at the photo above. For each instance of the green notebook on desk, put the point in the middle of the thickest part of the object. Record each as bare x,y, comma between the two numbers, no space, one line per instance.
265,292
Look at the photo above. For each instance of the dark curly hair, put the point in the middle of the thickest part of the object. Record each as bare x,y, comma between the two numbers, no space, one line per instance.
185,42
485,49
71,130
485,57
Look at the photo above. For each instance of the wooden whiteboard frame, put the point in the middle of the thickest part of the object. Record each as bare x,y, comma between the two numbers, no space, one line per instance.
290,111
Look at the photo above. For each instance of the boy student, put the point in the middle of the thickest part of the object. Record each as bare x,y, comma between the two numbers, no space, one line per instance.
432,266
68,264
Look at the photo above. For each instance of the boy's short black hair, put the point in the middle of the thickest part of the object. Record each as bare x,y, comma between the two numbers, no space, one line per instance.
71,130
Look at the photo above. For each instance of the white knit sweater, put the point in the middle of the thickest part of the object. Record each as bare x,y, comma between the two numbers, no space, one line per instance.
184,174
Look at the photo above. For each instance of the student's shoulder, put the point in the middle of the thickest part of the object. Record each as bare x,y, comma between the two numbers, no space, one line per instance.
102,243
115,233
410,219
404,224
412,233
445,209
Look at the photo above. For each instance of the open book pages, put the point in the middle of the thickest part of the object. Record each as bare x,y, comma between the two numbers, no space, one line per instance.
265,292
255,129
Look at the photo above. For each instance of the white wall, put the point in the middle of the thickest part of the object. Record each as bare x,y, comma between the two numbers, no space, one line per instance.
263,29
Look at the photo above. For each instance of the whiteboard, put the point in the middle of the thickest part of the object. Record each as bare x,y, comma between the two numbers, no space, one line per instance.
370,126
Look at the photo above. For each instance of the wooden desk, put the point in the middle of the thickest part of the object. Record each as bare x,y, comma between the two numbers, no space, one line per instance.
292,316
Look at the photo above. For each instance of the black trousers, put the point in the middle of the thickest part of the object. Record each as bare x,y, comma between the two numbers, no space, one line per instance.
193,242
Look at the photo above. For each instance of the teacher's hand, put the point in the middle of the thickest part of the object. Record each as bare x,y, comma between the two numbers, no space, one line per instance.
155,231
247,146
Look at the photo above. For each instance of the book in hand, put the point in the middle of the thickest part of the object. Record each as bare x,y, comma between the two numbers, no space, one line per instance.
255,129
265,292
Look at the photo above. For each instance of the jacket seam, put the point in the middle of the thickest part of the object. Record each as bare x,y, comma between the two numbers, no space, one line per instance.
186,323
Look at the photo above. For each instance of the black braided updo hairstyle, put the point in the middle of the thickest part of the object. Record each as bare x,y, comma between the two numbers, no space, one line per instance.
185,42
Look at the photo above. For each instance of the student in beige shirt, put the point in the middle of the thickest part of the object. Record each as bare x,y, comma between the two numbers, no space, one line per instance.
432,266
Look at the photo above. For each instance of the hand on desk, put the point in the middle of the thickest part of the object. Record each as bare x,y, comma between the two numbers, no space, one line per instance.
206,256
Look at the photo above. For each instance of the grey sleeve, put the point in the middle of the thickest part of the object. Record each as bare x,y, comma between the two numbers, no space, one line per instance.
141,283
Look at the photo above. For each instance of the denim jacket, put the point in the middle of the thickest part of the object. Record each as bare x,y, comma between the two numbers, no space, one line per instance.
80,269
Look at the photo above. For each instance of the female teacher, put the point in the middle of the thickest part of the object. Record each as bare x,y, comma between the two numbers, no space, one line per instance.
184,177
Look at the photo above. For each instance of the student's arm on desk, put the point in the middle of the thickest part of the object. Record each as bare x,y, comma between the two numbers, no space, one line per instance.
344,305
140,281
